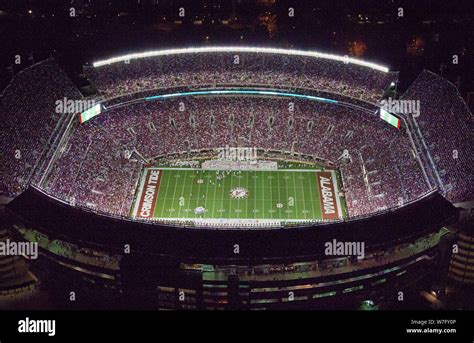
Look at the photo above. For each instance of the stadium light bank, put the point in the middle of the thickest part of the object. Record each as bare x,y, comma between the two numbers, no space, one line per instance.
346,59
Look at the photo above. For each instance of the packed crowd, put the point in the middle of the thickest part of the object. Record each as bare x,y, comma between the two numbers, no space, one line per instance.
448,130
252,69
95,172
94,168
378,169
28,119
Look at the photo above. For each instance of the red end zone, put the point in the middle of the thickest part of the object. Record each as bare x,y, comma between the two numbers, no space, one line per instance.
149,193
327,195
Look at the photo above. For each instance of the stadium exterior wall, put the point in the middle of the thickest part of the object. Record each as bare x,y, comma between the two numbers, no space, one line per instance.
272,264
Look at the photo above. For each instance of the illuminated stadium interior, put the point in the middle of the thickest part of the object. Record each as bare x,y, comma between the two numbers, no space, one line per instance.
213,176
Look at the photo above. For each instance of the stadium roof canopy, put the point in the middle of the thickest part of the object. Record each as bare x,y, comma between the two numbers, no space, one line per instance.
153,53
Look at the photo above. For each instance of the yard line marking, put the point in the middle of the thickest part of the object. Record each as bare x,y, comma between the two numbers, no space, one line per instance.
255,195
207,188
279,193
313,199
174,194
164,195
304,199
246,200
214,198
182,192
263,196
238,201
271,197
222,193
296,200
230,203
199,193
190,190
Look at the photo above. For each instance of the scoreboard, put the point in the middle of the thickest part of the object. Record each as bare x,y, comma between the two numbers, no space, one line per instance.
389,118
90,113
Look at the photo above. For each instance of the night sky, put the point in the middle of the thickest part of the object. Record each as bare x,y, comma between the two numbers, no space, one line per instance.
426,37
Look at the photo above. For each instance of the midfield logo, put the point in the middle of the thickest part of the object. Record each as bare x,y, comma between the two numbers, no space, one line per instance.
239,193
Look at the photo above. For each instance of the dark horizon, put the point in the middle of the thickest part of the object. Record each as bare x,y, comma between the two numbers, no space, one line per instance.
421,39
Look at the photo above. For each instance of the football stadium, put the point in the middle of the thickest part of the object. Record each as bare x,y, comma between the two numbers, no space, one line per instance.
204,166
249,177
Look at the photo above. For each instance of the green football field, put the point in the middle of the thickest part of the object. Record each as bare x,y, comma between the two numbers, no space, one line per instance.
285,195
